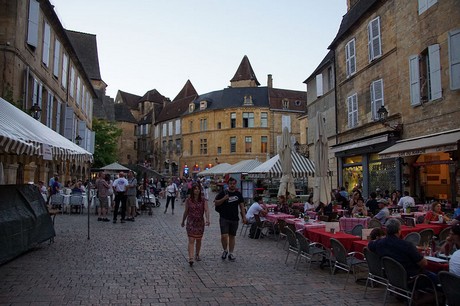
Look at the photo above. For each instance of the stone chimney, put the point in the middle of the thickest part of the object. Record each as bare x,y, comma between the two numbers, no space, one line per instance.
351,3
269,81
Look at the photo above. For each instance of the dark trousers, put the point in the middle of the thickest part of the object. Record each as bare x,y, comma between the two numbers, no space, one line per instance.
120,197
172,199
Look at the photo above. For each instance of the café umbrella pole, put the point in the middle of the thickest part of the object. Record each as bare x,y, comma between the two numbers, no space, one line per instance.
88,195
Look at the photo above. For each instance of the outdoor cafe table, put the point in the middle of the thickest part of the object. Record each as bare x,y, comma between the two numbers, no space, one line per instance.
437,228
276,216
321,236
301,224
347,224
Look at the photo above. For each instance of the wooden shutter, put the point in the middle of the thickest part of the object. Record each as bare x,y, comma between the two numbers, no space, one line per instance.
57,57
374,38
454,59
435,72
58,116
32,29
376,97
69,118
414,76
46,45
319,85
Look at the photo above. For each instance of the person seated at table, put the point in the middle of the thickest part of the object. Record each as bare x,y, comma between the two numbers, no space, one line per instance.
308,206
377,233
384,212
406,201
257,208
340,199
354,199
401,250
283,205
359,210
452,246
77,188
435,214
372,204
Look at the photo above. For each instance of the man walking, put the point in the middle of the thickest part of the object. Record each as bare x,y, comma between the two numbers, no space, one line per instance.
131,196
227,203
102,187
120,185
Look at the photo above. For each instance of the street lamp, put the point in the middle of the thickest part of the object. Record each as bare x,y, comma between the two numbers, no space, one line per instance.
78,140
217,161
35,111
382,116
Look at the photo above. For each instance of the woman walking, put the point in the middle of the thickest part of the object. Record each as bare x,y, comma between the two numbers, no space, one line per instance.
171,194
196,210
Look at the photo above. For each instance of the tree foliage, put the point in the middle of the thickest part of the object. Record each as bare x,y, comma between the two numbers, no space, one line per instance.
105,147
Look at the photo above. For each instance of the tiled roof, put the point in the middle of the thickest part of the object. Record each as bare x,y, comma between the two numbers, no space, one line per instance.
130,99
187,91
153,96
85,46
329,58
104,108
351,17
297,99
146,119
245,72
123,114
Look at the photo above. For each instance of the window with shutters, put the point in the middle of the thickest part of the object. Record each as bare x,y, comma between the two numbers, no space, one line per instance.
72,82
454,59
65,67
32,26
352,110
319,85
330,78
203,146
423,5
425,76
375,43
350,57
376,97
49,110
203,124
263,144
46,44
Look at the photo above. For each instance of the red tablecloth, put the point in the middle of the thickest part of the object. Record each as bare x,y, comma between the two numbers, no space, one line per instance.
274,217
437,228
359,245
321,236
347,224
436,266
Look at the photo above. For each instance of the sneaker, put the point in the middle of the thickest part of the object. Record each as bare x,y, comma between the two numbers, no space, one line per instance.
231,257
114,221
99,219
105,220
224,254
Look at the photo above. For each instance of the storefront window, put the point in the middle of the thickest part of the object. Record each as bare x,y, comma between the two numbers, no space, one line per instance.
353,159
382,175
352,177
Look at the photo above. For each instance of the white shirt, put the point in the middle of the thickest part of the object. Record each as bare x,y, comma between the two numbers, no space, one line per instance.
120,184
255,209
406,201
454,263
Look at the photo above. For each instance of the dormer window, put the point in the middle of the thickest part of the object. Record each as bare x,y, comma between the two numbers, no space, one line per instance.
285,104
248,100
203,105
191,107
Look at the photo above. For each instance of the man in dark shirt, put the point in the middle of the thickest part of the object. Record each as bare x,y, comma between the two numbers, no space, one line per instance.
227,203
372,204
403,251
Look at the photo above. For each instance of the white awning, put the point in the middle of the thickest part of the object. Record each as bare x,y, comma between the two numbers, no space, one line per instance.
115,167
244,166
301,167
219,169
22,134
440,142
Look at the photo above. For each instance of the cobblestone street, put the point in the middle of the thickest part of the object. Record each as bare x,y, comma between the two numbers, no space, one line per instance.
145,263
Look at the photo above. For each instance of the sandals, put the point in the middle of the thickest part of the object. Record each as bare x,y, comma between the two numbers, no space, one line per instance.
197,257
190,262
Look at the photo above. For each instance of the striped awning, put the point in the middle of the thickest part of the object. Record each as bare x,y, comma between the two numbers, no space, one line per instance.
219,169
22,134
244,166
301,167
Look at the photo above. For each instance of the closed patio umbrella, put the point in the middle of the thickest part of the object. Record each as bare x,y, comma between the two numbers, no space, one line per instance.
322,190
284,151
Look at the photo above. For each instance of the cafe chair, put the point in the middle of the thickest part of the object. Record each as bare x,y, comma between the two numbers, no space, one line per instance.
357,230
443,235
345,261
376,273
374,223
281,224
426,236
450,284
310,251
413,237
293,244
57,202
265,226
400,284
245,227
409,221
76,203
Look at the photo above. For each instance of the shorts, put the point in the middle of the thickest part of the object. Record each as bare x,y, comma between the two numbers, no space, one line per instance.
229,227
104,202
131,201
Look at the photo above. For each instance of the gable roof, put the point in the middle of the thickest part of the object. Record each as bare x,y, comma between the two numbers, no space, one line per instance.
351,17
180,103
85,46
245,72
129,99
153,96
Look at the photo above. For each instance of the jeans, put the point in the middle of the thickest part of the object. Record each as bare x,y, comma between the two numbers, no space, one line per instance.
172,199
120,197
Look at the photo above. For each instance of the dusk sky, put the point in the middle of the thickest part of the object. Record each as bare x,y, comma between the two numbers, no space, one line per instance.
153,44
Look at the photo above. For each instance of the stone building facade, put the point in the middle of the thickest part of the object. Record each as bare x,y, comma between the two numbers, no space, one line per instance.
40,66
